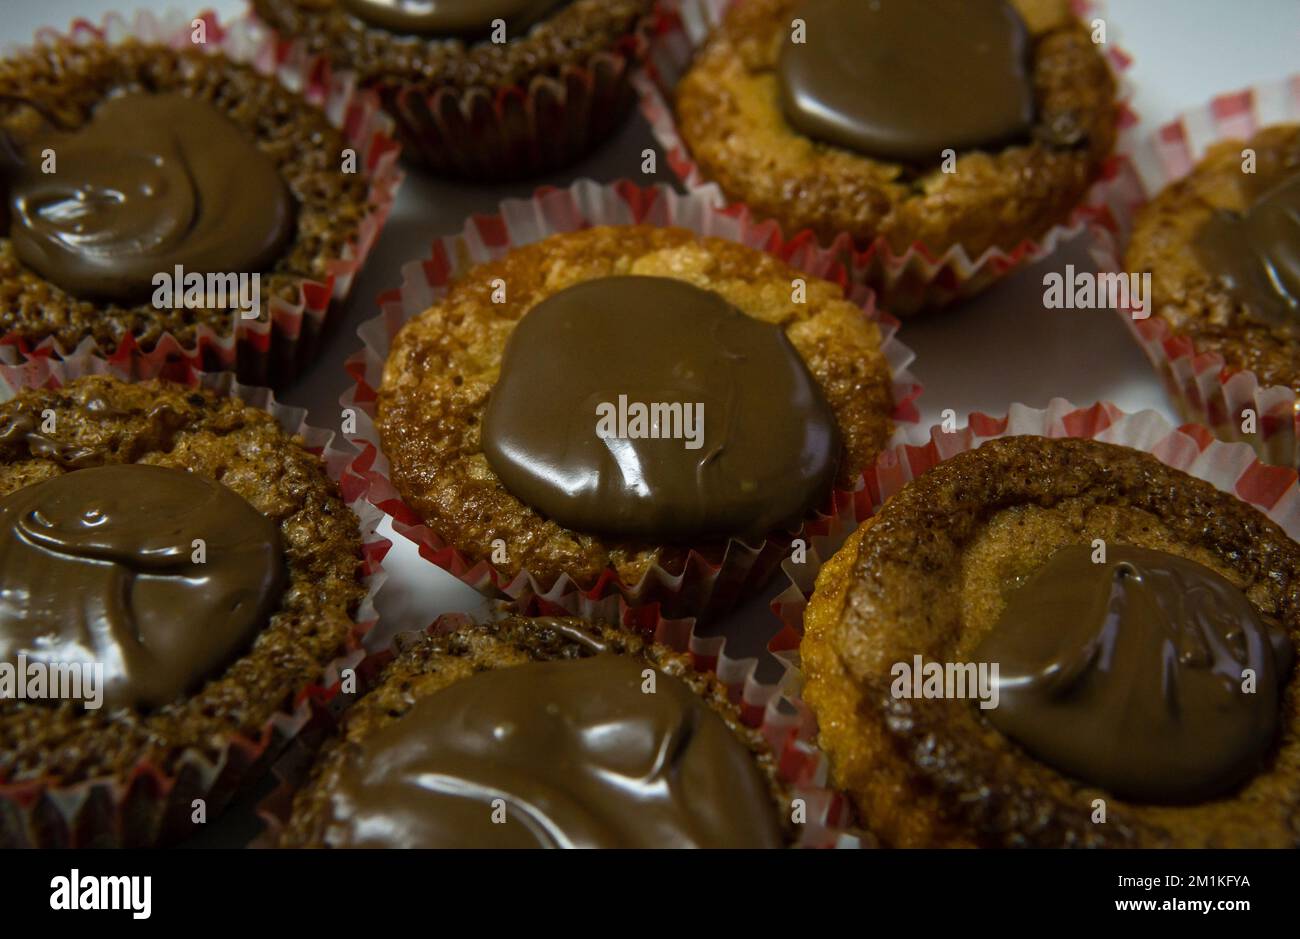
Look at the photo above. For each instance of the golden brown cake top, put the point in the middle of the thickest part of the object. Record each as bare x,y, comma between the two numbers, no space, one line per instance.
444,364
930,575
730,116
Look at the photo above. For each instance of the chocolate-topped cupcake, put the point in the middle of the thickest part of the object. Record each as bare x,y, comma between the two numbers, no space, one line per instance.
971,125
1222,246
483,90
174,569
531,733
618,401
1062,642
166,198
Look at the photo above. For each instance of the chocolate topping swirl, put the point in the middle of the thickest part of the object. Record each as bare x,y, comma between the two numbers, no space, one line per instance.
151,182
768,444
1130,674
578,753
1257,253
902,80
99,566
449,17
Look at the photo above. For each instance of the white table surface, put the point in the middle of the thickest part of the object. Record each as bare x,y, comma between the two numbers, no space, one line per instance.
1004,347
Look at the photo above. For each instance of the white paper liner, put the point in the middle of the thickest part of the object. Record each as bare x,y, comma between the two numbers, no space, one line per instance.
1203,389
274,347
920,277
154,807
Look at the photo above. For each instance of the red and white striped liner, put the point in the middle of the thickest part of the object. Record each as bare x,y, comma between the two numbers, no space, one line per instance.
527,130
1231,467
920,277
273,348
1203,388
704,587
153,806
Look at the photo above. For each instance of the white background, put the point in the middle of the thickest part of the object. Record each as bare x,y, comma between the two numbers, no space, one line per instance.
1002,348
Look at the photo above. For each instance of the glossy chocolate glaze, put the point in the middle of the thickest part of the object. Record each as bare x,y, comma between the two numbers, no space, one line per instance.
577,752
98,566
905,80
1256,254
1128,675
769,444
151,182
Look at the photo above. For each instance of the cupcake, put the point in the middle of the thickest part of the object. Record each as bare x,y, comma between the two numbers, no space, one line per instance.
175,569
1221,247
531,733
626,401
125,226
483,90
1063,642
926,129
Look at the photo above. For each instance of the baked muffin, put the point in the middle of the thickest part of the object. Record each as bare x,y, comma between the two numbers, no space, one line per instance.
1017,91
508,410
174,568
479,102
141,139
503,715
1221,248
1128,606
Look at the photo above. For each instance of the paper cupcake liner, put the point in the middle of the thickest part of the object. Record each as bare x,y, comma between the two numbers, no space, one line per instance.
274,348
484,134
153,806
905,283
1202,387
707,585
828,813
